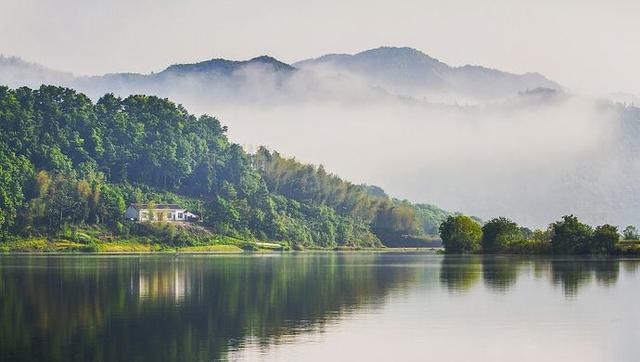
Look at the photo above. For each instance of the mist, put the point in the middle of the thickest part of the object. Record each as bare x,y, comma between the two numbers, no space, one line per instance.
532,165
532,156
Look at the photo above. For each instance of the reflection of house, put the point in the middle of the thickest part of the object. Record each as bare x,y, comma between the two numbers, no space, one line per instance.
158,212
169,282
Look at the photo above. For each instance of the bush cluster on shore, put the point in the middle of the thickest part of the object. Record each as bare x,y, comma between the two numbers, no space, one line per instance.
569,236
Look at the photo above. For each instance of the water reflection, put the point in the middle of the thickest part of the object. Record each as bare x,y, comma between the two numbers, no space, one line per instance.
460,273
171,282
500,273
164,308
199,308
573,274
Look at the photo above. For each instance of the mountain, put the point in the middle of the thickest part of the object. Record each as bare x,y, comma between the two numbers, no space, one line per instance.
541,153
215,80
16,72
382,72
228,67
410,72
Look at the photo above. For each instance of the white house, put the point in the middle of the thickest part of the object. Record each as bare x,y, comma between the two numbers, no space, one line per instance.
156,212
191,216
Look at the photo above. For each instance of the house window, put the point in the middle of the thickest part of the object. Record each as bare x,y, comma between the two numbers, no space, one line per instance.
180,215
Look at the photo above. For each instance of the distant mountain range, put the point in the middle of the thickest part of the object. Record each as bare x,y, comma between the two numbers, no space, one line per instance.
404,72
469,138
408,71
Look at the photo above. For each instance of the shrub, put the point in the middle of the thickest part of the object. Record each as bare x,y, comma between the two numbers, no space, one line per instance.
248,246
460,234
630,233
499,233
604,239
570,236
90,248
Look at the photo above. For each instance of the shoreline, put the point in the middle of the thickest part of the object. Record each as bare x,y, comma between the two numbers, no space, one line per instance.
43,246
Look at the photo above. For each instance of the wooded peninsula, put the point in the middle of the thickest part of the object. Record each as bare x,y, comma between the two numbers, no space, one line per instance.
70,167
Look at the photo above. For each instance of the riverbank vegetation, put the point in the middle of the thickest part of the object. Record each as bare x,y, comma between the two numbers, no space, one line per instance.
69,163
568,236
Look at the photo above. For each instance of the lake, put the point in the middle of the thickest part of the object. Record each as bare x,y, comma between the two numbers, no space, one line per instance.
318,307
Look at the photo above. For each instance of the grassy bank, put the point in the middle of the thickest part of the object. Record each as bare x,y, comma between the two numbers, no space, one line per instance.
41,245
160,238
137,239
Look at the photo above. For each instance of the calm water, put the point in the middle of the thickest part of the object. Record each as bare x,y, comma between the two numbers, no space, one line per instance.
318,307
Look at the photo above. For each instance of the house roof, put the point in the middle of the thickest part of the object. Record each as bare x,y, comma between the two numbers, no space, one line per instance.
158,206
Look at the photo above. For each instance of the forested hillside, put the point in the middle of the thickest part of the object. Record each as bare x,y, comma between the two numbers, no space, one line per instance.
313,184
67,161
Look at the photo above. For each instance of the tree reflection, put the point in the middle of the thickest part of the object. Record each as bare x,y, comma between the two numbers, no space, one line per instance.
500,273
574,273
606,271
570,274
177,309
460,273
631,266
200,307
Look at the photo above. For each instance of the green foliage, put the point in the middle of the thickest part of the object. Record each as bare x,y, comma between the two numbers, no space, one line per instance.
247,246
604,239
567,236
430,217
66,163
92,160
368,204
628,247
460,234
498,234
374,190
14,171
630,233
530,246
570,236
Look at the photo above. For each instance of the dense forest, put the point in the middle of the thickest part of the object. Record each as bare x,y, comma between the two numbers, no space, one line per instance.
68,162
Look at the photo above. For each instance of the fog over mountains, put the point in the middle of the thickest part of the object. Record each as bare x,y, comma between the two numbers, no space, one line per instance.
401,72
470,138
409,72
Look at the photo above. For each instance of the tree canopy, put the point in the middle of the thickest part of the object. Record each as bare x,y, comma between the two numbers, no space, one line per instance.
499,233
460,234
570,236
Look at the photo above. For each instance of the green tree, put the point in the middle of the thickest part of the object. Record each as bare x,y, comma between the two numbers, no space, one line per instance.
570,236
630,233
14,171
499,233
111,205
605,238
460,234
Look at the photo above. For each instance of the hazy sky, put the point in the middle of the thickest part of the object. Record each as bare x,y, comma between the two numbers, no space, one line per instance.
589,45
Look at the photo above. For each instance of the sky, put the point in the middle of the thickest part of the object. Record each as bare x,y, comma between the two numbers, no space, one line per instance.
590,46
